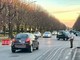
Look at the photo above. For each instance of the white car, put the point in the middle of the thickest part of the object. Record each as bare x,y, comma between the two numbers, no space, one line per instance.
47,34
37,34
54,33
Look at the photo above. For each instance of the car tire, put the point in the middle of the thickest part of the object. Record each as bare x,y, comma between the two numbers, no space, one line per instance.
31,49
13,50
37,48
58,38
64,39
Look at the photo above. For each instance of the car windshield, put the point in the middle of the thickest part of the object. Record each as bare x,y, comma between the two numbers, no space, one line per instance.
36,32
20,36
47,33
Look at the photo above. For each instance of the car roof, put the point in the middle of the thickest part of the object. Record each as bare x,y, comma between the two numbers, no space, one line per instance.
25,33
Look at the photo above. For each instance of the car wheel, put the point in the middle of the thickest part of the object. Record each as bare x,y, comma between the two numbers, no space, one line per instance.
58,38
13,51
66,39
31,49
63,38
37,48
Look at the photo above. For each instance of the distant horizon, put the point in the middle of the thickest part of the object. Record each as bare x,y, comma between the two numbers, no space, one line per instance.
65,11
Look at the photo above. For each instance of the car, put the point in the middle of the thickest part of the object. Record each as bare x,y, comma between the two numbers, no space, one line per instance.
37,34
65,35
24,41
77,33
47,34
54,33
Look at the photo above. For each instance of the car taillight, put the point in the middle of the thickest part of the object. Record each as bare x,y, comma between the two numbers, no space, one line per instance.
28,40
13,40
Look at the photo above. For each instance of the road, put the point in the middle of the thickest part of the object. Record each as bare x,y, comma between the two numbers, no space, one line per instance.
50,49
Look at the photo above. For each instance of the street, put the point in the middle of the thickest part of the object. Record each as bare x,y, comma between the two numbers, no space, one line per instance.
23,21
50,49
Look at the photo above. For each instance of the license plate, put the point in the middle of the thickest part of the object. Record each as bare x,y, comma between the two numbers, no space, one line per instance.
20,46
21,41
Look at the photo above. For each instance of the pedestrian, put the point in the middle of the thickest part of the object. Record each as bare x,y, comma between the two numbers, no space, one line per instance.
71,40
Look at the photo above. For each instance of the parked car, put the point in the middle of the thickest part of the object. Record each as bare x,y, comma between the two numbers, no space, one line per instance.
65,35
37,34
24,41
47,34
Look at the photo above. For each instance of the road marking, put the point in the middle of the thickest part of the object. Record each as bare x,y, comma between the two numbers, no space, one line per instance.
53,57
43,54
74,54
50,54
70,50
66,57
69,53
61,53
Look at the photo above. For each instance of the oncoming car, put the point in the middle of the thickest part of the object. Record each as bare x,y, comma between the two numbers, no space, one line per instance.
47,34
24,41
37,34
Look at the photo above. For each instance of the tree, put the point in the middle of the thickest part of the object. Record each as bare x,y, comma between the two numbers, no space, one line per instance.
77,24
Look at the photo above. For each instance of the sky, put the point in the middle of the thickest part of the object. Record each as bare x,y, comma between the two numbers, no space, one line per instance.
66,11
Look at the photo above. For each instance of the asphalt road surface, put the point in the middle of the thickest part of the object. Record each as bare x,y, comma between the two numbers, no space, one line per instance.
50,49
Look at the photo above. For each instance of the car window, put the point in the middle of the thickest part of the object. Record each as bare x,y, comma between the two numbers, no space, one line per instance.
36,32
19,36
47,33
31,36
60,33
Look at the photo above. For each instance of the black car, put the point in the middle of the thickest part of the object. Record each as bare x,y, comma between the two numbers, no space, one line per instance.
65,35
24,41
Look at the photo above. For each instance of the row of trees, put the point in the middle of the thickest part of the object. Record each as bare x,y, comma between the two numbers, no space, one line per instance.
77,24
18,16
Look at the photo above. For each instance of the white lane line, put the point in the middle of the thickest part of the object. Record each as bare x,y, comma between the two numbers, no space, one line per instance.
46,51
53,57
61,53
49,56
70,50
69,53
75,52
66,57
